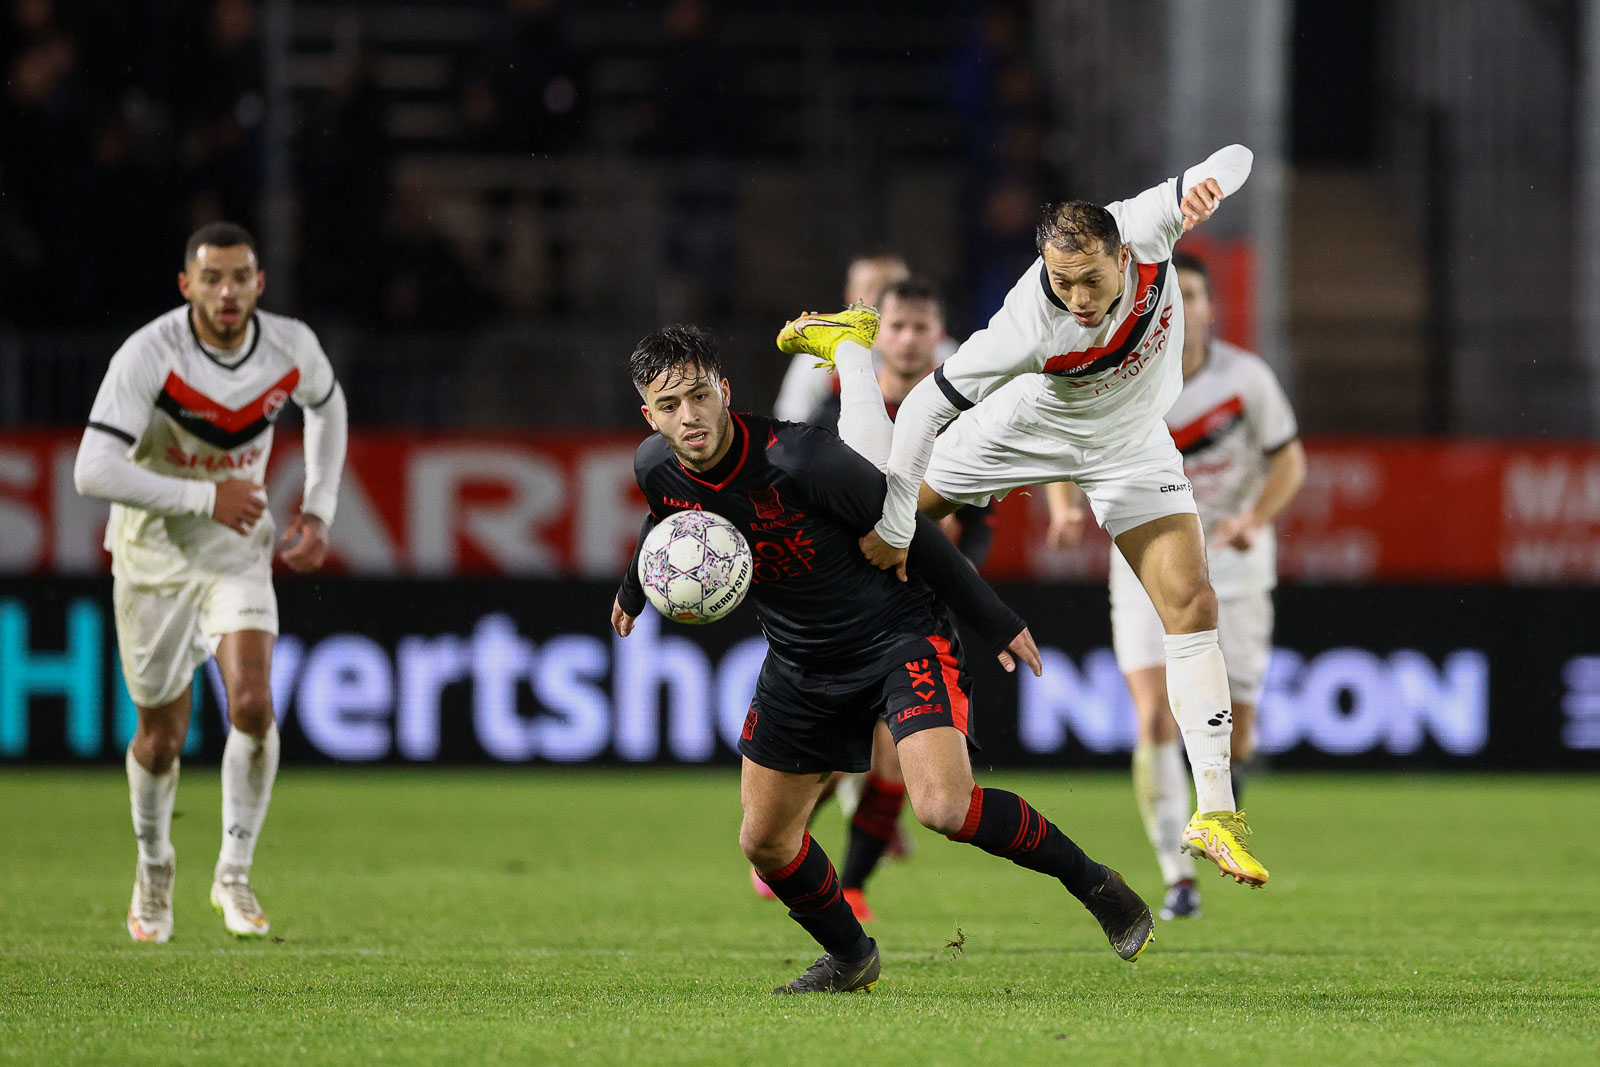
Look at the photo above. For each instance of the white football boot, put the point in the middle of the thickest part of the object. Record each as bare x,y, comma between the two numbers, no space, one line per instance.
150,911
236,902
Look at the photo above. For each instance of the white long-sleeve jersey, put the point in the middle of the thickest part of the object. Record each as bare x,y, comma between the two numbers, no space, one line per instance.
1099,383
173,417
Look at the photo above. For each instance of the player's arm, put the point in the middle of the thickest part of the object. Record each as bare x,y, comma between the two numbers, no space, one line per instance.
630,601
103,469
999,352
845,485
327,436
1271,424
1152,222
1069,514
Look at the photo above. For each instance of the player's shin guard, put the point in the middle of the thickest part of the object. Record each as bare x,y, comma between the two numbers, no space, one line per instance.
1162,790
809,886
249,766
151,796
1004,824
1197,689
872,828
864,422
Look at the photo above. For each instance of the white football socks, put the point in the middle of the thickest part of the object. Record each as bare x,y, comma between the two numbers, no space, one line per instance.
249,766
152,797
1162,790
864,422
1197,689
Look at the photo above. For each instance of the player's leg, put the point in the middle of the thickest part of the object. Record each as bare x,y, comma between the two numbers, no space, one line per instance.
1244,628
1160,777
152,765
249,768
159,645
874,821
843,341
775,840
1168,555
926,709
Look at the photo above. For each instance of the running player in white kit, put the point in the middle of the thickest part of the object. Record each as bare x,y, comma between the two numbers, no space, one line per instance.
1069,382
1242,452
178,441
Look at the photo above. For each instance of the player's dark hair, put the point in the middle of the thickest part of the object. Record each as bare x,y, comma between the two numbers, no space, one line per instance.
914,290
1077,226
218,235
690,351
1190,261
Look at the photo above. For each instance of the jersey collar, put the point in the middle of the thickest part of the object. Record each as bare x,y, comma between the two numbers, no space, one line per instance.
728,466
255,341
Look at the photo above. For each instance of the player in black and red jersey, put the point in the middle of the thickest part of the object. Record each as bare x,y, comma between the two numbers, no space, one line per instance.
848,645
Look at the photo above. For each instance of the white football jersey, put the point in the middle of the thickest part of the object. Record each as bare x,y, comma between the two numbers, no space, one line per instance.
1103,384
1230,419
187,411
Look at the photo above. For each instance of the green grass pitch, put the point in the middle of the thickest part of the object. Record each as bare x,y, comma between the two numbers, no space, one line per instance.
539,916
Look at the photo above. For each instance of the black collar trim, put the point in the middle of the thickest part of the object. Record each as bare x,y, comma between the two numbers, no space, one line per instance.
255,342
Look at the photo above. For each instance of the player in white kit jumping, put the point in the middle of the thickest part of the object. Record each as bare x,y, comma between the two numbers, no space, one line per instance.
178,441
1069,382
1242,453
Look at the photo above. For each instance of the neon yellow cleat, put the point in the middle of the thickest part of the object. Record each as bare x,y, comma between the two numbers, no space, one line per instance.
1220,836
818,335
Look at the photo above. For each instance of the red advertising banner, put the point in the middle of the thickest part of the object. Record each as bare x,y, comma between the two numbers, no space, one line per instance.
1372,510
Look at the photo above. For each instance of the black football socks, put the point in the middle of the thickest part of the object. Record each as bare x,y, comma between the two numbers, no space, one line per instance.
1004,824
809,886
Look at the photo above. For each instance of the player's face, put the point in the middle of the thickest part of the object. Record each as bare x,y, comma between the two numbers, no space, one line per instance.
222,285
1197,313
690,409
1088,283
909,332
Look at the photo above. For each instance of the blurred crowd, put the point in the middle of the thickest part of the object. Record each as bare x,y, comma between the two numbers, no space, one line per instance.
124,125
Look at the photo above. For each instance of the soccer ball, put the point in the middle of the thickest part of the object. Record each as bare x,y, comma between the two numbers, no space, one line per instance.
695,567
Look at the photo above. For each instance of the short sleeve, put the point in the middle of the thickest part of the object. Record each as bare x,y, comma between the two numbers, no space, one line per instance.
1271,419
316,371
128,392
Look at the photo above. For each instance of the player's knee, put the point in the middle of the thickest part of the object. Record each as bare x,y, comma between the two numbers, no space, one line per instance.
158,746
766,851
250,709
1192,607
944,811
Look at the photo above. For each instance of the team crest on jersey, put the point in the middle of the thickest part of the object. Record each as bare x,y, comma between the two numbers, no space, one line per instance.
272,406
1147,301
766,503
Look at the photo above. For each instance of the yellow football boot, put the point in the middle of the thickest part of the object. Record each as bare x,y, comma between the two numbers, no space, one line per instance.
818,334
1220,836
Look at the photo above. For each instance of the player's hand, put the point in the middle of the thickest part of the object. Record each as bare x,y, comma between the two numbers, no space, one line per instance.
305,543
883,555
1023,648
1199,202
1238,532
621,621
240,505
1066,529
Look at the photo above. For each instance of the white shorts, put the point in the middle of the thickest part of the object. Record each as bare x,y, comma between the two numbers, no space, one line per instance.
995,448
1244,630
165,631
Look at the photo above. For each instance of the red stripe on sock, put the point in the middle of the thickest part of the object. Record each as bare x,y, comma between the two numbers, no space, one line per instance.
793,865
879,809
974,816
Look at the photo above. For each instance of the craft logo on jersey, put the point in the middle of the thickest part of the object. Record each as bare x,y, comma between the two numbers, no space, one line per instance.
1147,300
272,405
766,503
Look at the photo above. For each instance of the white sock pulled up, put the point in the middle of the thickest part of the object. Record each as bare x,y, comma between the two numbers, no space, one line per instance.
249,766
864,422
152,796
1197,689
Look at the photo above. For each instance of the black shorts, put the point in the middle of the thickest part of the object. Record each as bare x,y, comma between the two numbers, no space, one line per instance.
808,721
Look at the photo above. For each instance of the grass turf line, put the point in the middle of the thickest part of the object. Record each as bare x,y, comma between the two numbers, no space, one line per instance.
536,916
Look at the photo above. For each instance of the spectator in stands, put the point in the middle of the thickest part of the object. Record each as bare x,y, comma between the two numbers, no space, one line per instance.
220,110
425,284
528,90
